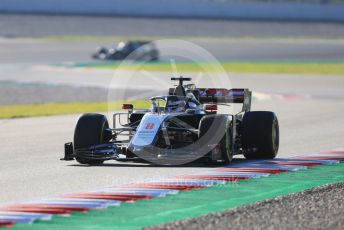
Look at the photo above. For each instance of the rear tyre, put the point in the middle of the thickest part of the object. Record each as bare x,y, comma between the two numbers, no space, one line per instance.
260,135
215,130
101,53
89,131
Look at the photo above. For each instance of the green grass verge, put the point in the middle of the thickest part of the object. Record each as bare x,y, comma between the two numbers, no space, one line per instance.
47,109
318,68
195,203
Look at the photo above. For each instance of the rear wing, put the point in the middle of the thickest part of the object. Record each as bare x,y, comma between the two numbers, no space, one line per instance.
222,96
227,96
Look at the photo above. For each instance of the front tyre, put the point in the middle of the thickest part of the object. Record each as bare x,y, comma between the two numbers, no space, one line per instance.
213,130
260,135
89,131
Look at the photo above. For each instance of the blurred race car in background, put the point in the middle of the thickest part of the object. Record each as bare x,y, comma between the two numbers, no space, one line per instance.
131,50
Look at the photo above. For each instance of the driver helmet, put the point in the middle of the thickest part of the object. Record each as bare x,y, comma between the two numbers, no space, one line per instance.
176,106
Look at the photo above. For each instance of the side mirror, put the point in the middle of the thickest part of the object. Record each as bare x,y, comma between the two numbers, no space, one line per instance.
128,106
211,107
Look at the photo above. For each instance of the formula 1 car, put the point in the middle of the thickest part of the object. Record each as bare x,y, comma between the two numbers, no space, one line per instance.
132,50
181,127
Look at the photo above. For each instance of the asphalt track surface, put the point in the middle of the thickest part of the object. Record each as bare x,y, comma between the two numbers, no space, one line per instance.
12,25
30,51
30,148
26,60
16,26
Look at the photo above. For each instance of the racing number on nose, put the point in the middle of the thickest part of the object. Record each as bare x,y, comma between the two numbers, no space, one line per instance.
150,126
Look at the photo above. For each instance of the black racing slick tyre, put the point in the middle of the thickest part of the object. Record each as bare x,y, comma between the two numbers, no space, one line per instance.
215,129
89,131
260,135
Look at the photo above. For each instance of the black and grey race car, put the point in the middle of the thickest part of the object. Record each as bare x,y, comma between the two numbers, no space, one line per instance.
183,126
131,50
